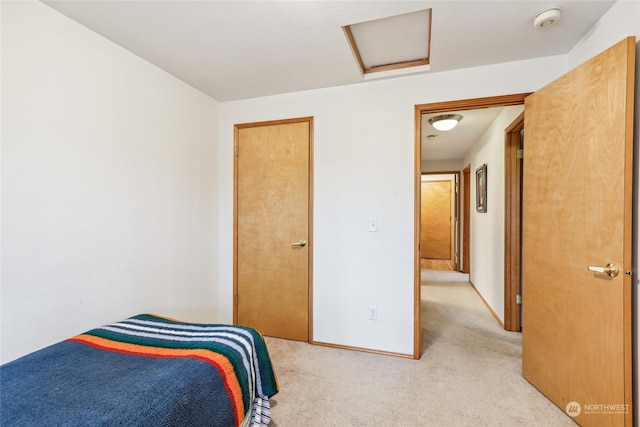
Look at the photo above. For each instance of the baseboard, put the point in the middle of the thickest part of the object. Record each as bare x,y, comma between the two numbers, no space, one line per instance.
487,304
366,350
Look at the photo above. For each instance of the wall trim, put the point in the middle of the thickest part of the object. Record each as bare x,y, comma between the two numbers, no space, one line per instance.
361,349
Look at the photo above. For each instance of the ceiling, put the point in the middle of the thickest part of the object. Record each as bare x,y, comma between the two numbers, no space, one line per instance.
233,50
245,49
455,143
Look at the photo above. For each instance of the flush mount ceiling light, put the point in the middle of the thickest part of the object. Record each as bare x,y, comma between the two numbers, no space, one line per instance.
547,18
445,122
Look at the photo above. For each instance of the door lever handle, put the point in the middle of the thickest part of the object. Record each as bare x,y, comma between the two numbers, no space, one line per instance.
300,244
610,270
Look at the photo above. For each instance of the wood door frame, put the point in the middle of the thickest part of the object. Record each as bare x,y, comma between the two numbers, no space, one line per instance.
512,224
466,215
419,110
455,238
236,135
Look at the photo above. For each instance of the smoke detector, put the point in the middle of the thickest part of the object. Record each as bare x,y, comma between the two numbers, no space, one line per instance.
547,18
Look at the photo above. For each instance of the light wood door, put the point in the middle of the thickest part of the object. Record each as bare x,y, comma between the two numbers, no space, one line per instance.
272,228
577,213
436,229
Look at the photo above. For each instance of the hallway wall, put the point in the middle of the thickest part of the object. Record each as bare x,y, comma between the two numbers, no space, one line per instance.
487,228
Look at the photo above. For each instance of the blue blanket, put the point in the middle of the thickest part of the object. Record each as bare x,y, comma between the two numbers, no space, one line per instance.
144,371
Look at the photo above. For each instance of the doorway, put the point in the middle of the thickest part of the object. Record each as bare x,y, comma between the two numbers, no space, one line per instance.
577,238
419,111
439,235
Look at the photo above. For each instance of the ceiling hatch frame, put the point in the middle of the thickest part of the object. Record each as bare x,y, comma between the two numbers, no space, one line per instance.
390,33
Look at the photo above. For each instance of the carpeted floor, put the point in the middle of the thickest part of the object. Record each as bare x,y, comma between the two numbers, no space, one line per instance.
469,375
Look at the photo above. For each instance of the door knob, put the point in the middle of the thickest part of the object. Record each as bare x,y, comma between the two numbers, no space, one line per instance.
300,244
611,270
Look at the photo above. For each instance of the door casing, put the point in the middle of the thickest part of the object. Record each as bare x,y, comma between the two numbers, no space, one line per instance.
466,219
512,224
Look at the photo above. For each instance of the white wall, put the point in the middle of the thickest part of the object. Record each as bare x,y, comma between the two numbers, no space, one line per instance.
622,20
108,185
442,165
364,157
438,177
486,250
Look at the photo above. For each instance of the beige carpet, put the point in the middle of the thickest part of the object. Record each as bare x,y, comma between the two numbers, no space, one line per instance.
427,275
469,375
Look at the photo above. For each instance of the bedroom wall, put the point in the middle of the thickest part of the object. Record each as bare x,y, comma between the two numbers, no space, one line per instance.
620,21
109,183
364,157
486,250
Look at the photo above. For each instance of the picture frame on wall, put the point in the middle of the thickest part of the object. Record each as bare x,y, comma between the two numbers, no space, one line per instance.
481,188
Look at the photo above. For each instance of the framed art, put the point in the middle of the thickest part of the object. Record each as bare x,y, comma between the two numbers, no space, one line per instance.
481,188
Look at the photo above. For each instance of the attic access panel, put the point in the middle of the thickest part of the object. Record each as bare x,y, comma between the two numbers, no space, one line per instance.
400,41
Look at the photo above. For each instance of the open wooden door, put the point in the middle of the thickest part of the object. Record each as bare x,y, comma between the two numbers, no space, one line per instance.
577,211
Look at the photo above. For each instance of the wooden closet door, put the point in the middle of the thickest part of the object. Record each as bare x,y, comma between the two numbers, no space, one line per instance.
272,228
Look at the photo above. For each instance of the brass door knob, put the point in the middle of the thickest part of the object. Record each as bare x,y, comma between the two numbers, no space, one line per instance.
300,244
610,270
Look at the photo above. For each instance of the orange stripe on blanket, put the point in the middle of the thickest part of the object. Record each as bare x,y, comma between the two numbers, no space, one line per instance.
220,362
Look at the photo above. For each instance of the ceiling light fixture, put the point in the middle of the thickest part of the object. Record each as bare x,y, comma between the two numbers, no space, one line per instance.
547,18
445,122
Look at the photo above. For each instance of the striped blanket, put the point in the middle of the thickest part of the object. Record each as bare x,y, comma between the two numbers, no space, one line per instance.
145,370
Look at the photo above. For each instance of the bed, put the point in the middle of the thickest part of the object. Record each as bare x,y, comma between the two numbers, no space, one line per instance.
146,370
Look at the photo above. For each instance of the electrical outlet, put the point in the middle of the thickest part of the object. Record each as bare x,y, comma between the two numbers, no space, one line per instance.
373,312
